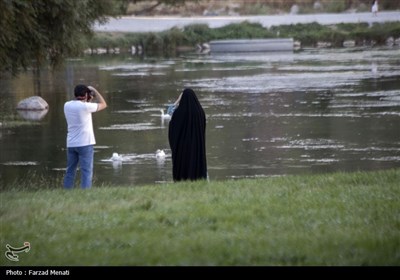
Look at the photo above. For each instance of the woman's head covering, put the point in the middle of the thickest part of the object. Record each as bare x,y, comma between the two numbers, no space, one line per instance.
186,135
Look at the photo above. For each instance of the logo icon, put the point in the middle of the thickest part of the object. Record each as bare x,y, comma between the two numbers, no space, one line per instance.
12,251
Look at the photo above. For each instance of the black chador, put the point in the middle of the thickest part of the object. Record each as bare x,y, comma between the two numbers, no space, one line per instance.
187,139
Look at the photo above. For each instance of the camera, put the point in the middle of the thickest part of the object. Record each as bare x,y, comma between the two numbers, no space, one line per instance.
90,95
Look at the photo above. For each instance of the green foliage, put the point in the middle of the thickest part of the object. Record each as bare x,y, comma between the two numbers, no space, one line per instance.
154,42
45,30
172,39
241,30
168,41
380,32
308,34
197,33
349,27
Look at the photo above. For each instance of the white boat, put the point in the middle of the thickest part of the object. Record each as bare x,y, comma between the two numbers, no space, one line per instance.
252,45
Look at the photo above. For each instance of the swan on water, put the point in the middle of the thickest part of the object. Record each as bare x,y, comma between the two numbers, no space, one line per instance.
160,153
116,157
165,116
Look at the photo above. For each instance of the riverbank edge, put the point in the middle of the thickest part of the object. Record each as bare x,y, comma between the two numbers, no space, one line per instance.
325,219
196,37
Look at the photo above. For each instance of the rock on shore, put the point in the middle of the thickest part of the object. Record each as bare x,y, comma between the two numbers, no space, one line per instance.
33,103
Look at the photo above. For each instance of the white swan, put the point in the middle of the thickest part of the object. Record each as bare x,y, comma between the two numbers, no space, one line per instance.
116,157
160,154
165,116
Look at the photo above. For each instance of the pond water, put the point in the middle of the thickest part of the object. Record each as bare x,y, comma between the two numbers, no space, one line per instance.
268,114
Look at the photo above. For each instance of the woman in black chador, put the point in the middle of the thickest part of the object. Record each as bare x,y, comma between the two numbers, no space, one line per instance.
187,138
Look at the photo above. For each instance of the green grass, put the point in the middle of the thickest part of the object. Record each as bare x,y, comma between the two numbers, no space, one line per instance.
331,219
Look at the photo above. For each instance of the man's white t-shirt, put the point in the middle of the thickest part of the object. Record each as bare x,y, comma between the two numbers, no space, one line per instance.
79,119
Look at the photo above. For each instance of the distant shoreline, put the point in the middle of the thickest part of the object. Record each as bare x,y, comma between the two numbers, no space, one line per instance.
156,24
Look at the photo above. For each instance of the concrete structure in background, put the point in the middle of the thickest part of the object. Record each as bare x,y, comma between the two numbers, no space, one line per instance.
252,45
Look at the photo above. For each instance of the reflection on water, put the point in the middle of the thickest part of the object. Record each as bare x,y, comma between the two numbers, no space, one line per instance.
267,114
33,115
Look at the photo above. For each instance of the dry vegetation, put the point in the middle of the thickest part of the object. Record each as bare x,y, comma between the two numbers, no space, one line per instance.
255,7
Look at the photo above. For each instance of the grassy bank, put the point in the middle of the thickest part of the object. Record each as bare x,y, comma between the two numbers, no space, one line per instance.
168,42
333,219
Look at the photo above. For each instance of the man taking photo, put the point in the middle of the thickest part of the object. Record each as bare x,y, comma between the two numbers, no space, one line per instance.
80,136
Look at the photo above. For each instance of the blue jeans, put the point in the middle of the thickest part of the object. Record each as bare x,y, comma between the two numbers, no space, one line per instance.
83,156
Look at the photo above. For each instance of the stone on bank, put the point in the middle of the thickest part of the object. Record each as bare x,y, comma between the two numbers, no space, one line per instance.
33,103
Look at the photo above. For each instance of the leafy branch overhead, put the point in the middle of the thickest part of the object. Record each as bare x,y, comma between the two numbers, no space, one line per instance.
45,29
32,32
